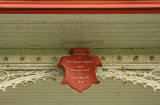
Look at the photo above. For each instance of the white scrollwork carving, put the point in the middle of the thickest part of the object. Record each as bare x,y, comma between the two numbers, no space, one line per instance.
145,74
145,77
4,75
12,78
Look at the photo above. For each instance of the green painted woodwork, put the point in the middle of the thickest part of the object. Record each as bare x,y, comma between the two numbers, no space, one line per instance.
55,34
65,51
91,31
108,92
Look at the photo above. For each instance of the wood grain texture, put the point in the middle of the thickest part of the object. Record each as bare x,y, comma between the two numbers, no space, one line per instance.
69,31
53,93
55,34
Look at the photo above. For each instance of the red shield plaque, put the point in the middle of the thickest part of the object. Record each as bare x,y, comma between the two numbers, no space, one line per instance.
80,68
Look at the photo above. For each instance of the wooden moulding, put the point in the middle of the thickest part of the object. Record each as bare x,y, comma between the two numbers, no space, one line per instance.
79,6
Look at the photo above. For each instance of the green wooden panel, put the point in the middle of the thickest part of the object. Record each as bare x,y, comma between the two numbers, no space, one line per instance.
68,31
55,34
108,92
63,52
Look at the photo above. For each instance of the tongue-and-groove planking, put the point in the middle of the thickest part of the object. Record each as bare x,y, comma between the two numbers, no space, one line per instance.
68,31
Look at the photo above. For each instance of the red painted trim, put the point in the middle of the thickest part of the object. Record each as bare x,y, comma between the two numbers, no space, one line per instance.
80,11
79,6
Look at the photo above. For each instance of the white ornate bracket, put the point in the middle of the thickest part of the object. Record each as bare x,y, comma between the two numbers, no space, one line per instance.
145,74
13,74
13,78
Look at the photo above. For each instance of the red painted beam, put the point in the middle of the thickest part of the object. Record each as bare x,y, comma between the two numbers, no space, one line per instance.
80,11
79,6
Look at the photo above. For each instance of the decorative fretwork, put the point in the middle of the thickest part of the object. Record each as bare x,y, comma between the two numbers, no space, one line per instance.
146,77
12,78
143,69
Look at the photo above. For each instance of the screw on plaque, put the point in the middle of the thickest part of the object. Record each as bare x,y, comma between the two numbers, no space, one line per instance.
5,58
135,58
152,58
103,58
38,58
119,58
22,58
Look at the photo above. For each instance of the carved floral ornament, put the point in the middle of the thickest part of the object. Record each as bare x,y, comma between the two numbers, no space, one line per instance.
147,74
